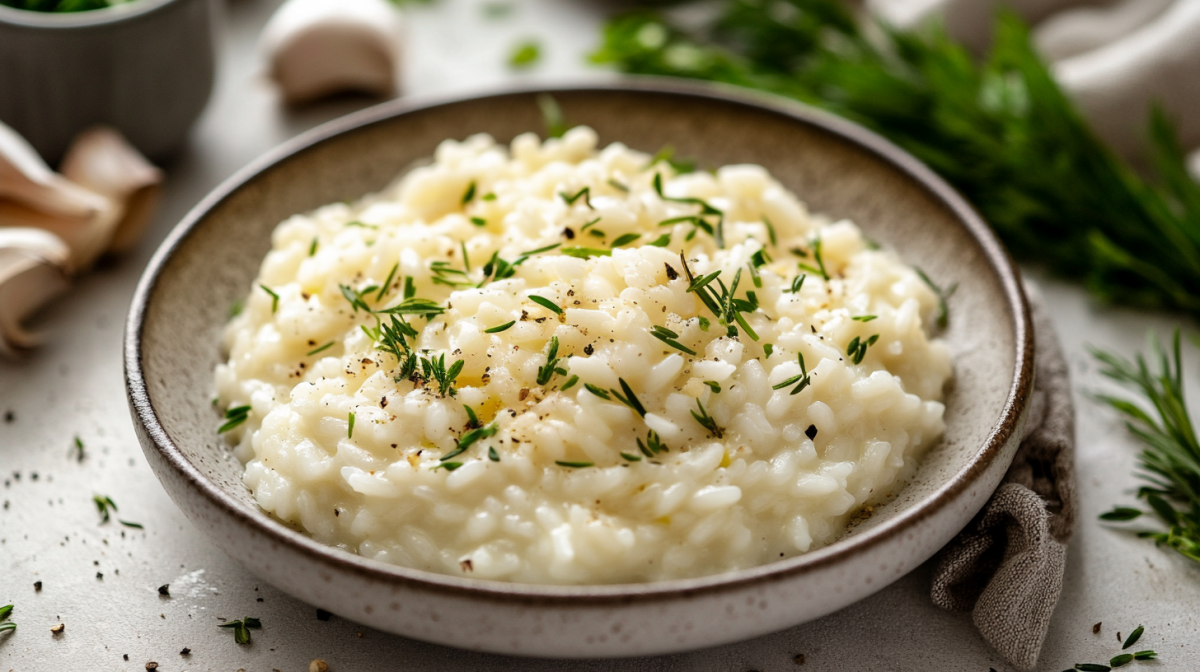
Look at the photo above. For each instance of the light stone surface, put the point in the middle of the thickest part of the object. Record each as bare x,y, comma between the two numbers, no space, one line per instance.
74,387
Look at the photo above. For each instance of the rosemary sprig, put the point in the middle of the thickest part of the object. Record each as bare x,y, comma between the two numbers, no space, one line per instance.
706,421
698,220
434,369
998,128
628,398
546,303
1170,457
574,465
723,304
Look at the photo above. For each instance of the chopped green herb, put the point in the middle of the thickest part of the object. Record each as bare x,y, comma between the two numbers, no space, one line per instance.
597,391
540,250
667,336
525,55
629,398
863,318
490,196
797,283
667,155
434,369
768,349
493,455
466,259
653,445
470,438
1120,514
127,523
472,419
1145,655
717,232
820,267
234,417
236,308
574,465
552,116
547,371
103,504
5,624
387,284
858,348
569,384
497,329
479,221
597,233
312,249
274,298
704,323
1133,637
706,421
361,225
617,185
586,252
570,199
802,378
77,449
319,349
545,303
723,304
589,224
631,458
350,430
415,306
629,238
410,290
713,385
242,628
770,231
943,316
448,466
661,241
469,194
1092,667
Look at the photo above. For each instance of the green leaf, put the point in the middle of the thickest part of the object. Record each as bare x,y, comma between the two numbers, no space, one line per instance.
1133,637
525,55
1121,514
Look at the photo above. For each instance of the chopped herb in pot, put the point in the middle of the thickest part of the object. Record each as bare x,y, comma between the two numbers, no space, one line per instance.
525,55
242,628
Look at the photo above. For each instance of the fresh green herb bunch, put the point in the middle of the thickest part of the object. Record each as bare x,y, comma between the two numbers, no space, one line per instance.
1170,459
1000,130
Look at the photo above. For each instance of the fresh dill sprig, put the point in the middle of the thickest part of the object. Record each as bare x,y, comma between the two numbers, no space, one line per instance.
1170,457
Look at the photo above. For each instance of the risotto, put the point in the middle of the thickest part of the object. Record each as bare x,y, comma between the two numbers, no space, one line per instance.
554,363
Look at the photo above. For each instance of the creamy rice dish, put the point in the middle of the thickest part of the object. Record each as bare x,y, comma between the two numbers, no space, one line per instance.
558,363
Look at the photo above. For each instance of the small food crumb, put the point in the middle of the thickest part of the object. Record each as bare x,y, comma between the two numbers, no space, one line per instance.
185,651
152,665
9,416
57,629
165,590
1096,628
100,576
318,665
37,586
798,659
125,656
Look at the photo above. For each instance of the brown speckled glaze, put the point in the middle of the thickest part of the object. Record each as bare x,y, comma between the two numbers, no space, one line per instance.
210,260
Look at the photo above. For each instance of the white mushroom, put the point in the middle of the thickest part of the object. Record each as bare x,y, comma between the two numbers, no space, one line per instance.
101,160
34,268
32,195
318,47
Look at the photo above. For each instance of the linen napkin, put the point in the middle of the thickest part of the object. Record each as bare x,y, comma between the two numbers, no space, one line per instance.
1006,567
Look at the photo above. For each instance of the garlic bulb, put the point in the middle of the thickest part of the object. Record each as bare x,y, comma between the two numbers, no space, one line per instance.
34,268
318,47
101,160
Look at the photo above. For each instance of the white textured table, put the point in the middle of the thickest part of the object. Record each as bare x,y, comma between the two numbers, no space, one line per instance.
74,387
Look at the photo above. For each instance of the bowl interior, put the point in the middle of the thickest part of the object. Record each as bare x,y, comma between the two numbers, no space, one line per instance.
208,265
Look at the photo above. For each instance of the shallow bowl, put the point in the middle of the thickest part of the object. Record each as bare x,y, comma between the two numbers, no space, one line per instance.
210,260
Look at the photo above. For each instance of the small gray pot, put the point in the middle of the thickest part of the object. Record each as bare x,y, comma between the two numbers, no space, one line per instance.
145,68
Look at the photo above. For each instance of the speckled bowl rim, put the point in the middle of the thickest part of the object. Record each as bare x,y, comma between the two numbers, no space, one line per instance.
337,560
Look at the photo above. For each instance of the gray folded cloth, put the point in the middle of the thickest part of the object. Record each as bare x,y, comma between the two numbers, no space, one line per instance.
1006,567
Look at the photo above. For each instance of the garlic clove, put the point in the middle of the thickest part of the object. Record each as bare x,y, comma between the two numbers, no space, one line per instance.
25,178
319,47
34,268
86,238
101,160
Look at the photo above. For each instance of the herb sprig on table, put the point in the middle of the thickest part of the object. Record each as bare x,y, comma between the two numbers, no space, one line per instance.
1000,130
1170,458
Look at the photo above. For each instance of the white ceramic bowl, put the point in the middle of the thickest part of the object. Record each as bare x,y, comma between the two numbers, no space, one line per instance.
172,344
